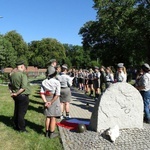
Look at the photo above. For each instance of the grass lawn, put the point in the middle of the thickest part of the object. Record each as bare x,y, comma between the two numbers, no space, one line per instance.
35,139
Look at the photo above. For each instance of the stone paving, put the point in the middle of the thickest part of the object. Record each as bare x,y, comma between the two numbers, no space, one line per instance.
129,139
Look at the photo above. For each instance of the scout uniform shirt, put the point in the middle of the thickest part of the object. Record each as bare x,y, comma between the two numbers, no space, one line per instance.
19,80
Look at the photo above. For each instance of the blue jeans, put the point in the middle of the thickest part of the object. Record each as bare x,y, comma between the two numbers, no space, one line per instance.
146,100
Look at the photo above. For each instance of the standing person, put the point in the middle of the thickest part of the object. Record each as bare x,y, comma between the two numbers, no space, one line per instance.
86,87
50,93
65,94
109,78
58,75
139,74
121,74
80,79
143,86
75,80
20,90
90,82
58,69
96,82
102,79
72,74
53,63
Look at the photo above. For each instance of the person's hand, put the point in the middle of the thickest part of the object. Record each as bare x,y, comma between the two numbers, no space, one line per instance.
13,94
48,104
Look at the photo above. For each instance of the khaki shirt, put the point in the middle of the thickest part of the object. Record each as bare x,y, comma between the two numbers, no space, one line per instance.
19,80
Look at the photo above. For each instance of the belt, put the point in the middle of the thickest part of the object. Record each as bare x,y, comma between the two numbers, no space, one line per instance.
24,95
48,93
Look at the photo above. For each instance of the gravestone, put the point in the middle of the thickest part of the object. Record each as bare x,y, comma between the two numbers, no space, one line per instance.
121,104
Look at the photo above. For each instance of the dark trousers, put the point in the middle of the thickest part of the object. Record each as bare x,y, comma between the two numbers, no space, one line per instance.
21,106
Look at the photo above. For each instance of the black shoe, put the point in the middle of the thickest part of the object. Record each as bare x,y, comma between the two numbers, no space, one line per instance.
148,121
15,128
23,131
47,134
53,135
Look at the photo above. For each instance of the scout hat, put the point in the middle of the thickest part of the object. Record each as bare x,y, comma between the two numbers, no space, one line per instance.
52,60
51,70
120,65
146,67
65,66
95,67
19,62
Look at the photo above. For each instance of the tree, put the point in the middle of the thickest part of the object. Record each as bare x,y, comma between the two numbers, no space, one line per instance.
42,51
77,56
18,44
120,33
8,55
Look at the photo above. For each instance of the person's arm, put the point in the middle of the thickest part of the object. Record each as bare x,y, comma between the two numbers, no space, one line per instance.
23,86
48,104
18,92
57,94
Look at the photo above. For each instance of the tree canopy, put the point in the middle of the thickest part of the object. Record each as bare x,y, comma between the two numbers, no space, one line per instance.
121,32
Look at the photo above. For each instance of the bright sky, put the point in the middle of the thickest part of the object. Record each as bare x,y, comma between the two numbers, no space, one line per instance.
37,19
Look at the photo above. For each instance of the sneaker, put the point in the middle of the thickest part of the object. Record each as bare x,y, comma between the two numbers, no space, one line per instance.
53,135
61,117
68,117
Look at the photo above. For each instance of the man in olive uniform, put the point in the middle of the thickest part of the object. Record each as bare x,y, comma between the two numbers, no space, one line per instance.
20,90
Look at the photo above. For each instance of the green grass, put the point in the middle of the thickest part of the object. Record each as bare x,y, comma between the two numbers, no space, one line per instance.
35,139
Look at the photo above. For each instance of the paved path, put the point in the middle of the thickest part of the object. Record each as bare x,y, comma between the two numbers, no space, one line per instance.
79,107
129,139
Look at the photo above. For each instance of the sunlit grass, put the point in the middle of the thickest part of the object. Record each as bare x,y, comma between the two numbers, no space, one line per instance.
35,139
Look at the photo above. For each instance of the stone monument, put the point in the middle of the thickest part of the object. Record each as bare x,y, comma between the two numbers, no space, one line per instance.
121,104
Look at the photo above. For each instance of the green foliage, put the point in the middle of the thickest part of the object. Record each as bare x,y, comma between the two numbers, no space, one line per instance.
40,52
77,56
121,32
17,43
7,53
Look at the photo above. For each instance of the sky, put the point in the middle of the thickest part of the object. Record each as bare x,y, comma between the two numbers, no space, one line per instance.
38,19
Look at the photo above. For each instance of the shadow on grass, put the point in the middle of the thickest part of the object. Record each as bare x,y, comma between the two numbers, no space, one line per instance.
8,121
37,96
38,81
37,128
36,102
39,109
